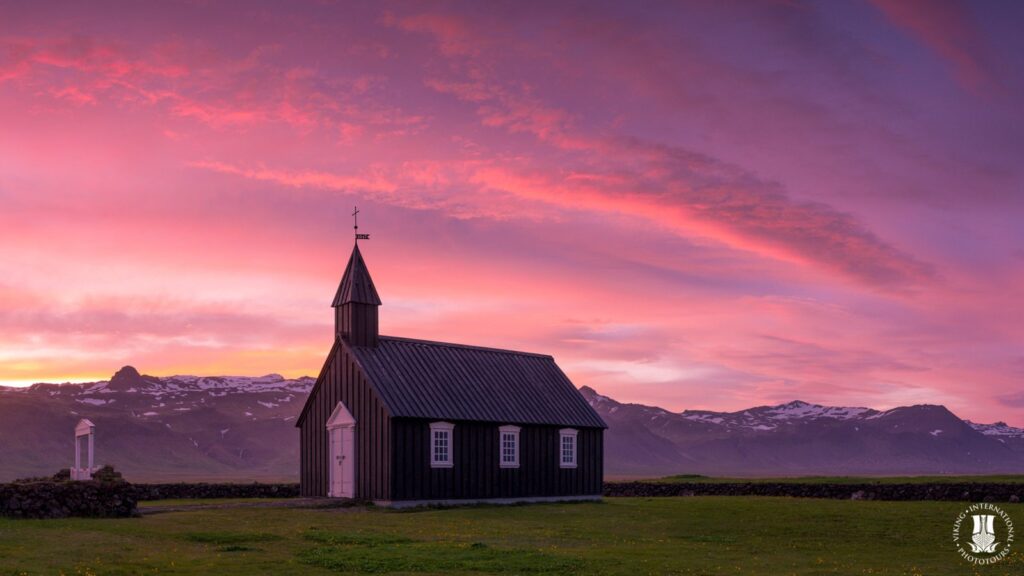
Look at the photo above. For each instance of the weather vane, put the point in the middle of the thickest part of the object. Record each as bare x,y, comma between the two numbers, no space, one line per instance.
355,220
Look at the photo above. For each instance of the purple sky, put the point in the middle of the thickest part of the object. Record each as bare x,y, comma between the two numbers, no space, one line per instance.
695,205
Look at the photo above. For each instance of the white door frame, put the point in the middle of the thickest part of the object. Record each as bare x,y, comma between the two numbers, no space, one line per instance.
341,461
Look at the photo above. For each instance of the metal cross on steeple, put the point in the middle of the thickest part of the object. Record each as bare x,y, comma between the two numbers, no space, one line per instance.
355,221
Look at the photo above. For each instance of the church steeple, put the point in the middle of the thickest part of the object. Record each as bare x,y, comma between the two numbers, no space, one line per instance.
355,304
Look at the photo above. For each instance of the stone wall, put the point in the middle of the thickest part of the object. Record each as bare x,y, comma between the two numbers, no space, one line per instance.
973,492
47,498
50,499
62,499
204,490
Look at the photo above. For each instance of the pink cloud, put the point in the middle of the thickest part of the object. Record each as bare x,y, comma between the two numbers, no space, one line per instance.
683,210
75,95
739,212
303,179
108,59
454,35
686,191
946,28
729,207
215,115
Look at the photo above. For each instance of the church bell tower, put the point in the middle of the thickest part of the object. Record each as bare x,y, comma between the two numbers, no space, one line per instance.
355,304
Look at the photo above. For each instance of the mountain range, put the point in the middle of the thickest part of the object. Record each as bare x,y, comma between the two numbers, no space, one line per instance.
242,429
798,438
158,429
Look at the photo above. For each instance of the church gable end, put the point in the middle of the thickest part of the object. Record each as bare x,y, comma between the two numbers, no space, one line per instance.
342,380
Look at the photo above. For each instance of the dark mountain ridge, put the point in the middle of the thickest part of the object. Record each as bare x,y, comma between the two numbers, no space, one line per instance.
158,428
242,429
799,438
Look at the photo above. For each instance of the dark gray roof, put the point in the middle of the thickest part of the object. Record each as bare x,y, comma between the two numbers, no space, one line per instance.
356,285
424,379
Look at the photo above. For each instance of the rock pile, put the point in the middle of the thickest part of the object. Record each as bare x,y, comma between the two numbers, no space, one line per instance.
50,499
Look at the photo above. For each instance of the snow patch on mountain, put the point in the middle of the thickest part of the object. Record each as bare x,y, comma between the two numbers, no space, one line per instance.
765,418
704,417
593,398
998,429
798,409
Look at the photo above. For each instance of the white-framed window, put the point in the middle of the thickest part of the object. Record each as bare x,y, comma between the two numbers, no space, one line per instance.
441,444
508,446
567,448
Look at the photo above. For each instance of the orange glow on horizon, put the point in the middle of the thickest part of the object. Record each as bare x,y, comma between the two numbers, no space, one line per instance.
682,211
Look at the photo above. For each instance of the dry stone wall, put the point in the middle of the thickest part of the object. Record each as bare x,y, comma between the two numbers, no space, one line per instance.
973,492
55,499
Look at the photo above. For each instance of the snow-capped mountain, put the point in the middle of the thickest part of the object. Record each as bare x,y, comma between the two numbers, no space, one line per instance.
177,427
771,417
242,429
800,438
999,429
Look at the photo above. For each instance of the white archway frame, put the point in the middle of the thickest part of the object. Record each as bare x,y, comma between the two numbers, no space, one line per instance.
85,428
341,465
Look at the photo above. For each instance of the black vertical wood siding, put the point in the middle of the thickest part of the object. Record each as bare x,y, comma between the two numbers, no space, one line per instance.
358,323
476,471
341,380
393,454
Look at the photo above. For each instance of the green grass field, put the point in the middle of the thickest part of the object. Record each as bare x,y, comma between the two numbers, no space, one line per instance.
993,479
704,535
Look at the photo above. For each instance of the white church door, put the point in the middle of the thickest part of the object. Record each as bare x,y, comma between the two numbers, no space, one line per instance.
341,430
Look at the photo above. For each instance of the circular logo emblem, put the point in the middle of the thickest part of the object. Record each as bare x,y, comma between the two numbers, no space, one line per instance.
983,534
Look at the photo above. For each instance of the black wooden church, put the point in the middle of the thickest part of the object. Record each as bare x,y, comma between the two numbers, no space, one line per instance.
402,421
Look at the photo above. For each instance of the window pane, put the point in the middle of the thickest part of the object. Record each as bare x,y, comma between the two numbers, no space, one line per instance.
568,450
441,440
508,447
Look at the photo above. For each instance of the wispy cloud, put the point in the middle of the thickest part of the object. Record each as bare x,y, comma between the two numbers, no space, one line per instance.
302,179
690,204
946,28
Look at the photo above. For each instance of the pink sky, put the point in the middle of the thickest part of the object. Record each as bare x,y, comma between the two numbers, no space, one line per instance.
695,205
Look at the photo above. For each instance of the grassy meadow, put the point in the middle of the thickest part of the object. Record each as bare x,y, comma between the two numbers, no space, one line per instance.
702,535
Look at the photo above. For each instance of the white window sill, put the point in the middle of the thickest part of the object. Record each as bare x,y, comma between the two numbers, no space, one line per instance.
441,465
505,465
567,466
